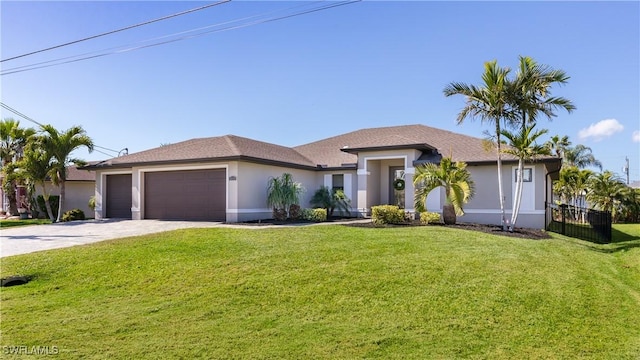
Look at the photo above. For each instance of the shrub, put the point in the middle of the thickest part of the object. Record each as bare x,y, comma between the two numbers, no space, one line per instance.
331,200
71,215
429,218
92,203
316,215
387,214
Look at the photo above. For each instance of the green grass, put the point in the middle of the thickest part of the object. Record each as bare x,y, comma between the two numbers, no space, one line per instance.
11,223
329,292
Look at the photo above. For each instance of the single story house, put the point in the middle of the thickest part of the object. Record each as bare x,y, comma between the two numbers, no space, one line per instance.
224,178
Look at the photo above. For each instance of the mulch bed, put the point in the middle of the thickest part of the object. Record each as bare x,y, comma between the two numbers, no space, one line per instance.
523,233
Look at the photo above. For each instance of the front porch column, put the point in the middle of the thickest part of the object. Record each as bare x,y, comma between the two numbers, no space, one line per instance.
362,192
409,190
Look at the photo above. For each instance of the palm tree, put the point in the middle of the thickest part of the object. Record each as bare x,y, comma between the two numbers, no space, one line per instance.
558,145
13,139
523,146
60,145
572,185
530,91
581,157
606,191
35,168
490,103
454,177
282,192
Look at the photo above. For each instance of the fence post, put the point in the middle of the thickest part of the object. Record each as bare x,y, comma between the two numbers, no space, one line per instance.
563,208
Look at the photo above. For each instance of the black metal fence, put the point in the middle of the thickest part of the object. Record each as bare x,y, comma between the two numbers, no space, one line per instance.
582,223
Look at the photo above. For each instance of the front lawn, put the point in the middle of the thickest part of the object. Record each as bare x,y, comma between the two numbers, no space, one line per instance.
17,222
328,292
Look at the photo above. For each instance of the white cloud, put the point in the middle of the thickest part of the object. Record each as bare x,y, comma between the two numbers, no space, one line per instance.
601,130
636,136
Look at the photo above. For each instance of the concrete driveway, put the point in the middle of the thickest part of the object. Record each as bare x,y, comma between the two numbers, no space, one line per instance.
28,239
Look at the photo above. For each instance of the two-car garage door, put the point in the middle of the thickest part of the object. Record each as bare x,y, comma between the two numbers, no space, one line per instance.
185,195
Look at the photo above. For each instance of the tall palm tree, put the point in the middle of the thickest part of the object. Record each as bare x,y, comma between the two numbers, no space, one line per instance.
606,191
490,103
523,146
60,145
572,185
530,91
581,157
454,177
558,145
13,139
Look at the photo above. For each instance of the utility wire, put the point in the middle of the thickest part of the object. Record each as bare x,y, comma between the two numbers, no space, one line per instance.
118,30
19,113
30,119
97,54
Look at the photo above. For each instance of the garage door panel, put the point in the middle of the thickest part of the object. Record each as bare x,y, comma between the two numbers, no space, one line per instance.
186,195
118,201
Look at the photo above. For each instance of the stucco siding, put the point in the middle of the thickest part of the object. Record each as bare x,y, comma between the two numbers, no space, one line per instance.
77,195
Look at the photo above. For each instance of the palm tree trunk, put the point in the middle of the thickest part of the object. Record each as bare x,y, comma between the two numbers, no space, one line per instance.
517,200
500,191
47,205
13,199
61,204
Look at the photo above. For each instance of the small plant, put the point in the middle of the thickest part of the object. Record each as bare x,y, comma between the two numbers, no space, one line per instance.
387,214
331,200
315,215
282,192
71,215
429,218
92,203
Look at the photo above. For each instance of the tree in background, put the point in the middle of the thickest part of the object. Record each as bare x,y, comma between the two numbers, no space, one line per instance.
581,157
60,146
13,139
606,191
453,177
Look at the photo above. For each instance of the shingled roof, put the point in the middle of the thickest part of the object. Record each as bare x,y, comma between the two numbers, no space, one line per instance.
334,152
338,150
228,147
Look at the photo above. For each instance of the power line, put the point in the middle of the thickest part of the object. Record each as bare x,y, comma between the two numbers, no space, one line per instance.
39,124
98,54
118,30
19,113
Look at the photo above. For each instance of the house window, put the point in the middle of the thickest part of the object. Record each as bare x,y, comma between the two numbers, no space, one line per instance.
527,175
337,182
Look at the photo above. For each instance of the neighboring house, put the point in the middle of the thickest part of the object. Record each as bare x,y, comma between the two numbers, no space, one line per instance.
225,178
79,187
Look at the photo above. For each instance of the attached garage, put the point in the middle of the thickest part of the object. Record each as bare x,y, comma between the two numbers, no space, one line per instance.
185,195
118,200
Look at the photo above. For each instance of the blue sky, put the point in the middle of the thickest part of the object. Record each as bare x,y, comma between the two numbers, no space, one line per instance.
304,78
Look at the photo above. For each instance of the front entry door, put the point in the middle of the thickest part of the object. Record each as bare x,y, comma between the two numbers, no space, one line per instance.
396,197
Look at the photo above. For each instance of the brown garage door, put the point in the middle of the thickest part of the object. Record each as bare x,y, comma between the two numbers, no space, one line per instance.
119,196
185,195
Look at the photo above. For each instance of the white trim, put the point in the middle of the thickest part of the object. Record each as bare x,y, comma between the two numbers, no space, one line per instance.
384,157
328,180
247,211
347,184
409,170
497,211
363,172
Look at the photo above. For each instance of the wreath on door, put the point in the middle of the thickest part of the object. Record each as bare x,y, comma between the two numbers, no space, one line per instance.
398,184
